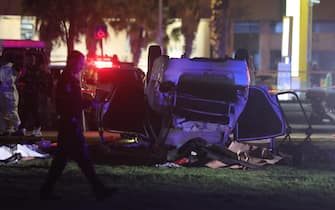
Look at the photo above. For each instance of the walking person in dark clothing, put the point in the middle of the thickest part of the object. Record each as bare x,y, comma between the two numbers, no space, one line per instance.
71,141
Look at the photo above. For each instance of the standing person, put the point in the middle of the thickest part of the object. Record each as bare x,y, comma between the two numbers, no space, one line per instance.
71,141
33,84
9,98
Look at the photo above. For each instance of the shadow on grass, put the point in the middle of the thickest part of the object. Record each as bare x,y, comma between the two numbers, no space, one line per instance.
19,189
304,181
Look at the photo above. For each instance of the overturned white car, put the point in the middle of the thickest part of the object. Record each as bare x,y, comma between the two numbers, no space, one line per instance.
199,97
182,98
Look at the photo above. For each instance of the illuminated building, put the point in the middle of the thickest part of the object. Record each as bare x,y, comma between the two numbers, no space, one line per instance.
257,26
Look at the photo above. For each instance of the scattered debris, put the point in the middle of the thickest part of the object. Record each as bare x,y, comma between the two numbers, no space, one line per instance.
197,152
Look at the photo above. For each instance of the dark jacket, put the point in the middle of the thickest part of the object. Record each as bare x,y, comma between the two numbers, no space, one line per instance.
35,81
69,102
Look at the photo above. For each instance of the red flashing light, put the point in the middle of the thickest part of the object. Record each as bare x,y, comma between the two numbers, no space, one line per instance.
101,32
103,64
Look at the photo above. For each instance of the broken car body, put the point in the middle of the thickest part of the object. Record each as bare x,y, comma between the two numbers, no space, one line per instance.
202,96
179,99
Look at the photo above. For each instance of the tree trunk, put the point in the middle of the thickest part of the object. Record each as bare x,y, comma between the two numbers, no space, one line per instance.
70,41
91,42
43,36
136,42
219,28
188,30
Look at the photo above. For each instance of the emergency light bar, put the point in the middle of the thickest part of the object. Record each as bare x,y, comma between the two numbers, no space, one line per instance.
103,64
8,43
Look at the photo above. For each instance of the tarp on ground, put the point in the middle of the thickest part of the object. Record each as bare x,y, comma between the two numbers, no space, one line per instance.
20,150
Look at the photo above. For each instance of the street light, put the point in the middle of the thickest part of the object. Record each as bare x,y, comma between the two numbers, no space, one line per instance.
301,13
310,33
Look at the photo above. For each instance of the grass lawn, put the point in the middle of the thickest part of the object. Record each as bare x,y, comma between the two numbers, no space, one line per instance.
148,187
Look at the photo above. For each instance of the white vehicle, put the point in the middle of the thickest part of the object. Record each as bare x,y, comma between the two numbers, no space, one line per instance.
181,99
204,97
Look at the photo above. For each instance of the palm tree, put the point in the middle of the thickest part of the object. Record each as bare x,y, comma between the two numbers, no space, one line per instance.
65,20
62,20
220,26
138,19
190,13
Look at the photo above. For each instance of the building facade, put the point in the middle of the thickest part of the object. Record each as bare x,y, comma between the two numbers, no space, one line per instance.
256,26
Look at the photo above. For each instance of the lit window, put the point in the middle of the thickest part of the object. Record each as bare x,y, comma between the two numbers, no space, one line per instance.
27,27
246,27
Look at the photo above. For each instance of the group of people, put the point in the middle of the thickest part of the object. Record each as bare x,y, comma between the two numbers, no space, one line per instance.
23,93
69,106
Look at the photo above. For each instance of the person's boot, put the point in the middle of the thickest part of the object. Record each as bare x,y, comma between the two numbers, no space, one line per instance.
10,131
37,132
20,132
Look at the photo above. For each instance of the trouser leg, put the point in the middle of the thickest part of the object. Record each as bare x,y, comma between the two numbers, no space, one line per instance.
35,106
84,161
55,171
26,109
12,117
3,110
2,123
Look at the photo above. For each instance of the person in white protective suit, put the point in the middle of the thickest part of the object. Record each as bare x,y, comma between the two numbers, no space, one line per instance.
9,117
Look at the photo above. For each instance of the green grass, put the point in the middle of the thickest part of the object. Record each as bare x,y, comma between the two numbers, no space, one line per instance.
148,187
307,184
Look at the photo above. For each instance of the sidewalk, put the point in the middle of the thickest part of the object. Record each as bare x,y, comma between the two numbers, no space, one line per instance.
92,137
